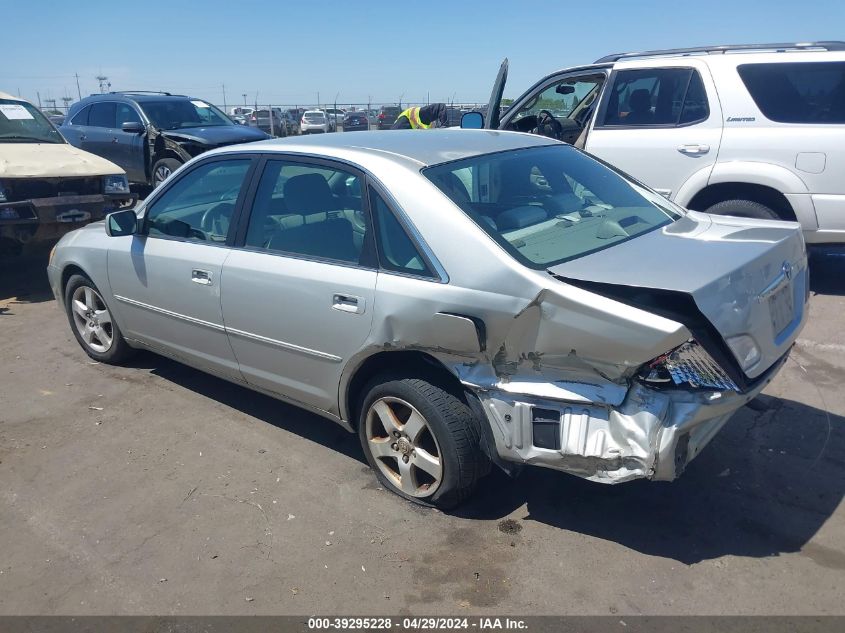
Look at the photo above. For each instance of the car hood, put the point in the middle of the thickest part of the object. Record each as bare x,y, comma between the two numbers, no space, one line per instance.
217,134
51,160
731,267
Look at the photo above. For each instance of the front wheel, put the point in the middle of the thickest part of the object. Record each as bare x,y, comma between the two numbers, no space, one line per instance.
92,323
163,168
422,441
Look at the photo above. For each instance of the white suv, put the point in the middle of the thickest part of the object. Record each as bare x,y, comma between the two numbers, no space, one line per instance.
752,130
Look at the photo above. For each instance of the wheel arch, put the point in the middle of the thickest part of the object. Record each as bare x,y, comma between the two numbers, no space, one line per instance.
408,363
762,194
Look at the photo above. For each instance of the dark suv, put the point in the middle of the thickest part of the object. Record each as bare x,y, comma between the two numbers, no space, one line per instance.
150,134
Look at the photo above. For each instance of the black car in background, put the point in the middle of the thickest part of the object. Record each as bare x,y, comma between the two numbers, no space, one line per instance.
151,134
355,121
387,117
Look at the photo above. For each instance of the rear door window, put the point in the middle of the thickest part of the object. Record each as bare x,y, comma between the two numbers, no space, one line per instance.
800,92
102,115
648,97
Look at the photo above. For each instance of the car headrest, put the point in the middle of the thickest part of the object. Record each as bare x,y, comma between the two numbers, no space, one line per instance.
640,100
308,193
520,217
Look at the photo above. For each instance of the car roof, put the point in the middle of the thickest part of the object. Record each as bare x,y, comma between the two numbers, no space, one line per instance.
6,95
137,96
422,148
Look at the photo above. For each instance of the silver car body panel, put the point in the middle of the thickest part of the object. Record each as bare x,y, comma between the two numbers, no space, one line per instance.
519,340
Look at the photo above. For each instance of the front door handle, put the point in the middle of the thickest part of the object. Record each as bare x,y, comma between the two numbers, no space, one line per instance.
694,149
82,137
202,277
348,303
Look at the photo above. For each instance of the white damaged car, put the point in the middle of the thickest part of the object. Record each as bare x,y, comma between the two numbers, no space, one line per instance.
459,298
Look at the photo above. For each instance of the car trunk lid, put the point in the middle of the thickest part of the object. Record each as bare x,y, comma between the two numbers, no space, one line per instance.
746,277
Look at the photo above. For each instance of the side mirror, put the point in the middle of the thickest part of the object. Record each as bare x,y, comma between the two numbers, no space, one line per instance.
121,223
472,121
133,127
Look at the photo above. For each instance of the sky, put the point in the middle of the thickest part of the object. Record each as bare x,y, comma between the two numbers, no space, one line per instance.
360,51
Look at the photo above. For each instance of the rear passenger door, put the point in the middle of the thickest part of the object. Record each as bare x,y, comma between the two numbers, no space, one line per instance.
661,124
298,289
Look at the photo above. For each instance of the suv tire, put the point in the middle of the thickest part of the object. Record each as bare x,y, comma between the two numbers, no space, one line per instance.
163,168
421,440
743,209
85,306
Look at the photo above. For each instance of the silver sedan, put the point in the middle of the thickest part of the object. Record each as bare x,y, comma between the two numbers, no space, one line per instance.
459,298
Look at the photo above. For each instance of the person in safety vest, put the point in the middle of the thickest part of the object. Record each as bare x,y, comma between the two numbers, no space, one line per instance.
421,117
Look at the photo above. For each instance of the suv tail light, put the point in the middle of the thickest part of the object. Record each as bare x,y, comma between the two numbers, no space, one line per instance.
381,116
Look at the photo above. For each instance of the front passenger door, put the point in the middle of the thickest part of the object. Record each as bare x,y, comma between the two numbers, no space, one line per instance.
167,279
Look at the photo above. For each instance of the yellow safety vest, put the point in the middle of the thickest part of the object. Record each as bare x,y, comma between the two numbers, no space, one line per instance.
413,115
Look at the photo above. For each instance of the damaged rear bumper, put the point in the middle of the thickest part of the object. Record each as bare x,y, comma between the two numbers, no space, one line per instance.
651,434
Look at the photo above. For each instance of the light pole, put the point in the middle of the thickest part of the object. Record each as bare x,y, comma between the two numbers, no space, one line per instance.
244,96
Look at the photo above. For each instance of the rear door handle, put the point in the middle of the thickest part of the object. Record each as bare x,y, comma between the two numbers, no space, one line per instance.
693,149
202,277
82,137
349,303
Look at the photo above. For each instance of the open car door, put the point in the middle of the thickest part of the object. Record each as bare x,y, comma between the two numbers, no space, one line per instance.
491,121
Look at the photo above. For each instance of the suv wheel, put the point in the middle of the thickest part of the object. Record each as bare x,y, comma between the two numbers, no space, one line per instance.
743,209
92,323
421,441
163,168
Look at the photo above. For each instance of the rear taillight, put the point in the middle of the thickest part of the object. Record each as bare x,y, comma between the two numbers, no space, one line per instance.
252,118
381,116
688,365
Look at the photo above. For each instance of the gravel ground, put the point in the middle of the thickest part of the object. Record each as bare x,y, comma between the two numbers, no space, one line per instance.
156,489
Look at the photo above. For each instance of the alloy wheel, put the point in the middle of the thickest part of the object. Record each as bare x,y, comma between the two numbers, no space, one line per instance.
404,447
92,319
162,174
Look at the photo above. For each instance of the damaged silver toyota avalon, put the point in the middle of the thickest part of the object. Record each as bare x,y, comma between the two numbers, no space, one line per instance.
458,298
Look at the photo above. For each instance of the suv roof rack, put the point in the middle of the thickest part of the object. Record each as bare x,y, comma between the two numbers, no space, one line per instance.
143,92
728,48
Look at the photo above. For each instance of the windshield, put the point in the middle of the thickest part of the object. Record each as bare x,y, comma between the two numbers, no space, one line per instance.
547,205
173,114
22,122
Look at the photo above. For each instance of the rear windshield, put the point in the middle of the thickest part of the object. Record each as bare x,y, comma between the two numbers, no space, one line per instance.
547,205
314,116
173,114
800,92
390,110
22,122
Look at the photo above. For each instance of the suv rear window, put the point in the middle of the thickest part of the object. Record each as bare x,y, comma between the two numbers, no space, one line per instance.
799,92
547,205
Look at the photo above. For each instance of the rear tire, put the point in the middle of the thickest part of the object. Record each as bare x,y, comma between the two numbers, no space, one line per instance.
421,440
92,323
743,209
